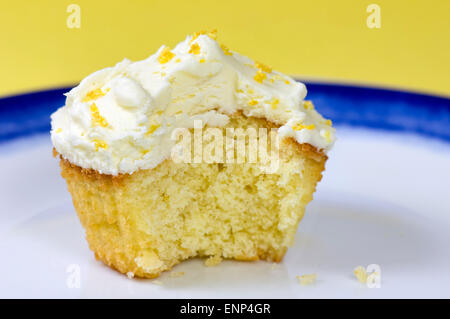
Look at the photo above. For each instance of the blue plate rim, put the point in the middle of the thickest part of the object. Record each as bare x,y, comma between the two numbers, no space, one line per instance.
373,107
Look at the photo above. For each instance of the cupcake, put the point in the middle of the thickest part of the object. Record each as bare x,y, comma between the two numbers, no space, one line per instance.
196,151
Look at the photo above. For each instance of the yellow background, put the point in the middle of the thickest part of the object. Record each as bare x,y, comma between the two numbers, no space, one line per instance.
320,39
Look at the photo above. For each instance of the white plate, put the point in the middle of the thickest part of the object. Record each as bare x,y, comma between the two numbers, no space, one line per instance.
384,199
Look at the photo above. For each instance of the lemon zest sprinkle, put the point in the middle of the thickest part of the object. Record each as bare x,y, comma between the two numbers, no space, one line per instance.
260,76
195,49
166,55
274,104
97,119
299,127
253,102
212,34
225,50
197,34
308,105
143,152
100,144
94,94
327,136
152,129
263,67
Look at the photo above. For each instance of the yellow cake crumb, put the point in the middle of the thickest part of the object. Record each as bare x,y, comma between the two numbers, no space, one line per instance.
166,55
176,274
360,274
305,280
213,261
149,260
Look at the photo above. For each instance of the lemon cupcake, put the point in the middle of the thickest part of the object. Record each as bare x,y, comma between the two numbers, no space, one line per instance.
194,151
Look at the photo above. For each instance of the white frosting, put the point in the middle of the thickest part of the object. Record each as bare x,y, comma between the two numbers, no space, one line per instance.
129,127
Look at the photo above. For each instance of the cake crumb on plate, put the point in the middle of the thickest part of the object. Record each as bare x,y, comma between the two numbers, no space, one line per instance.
360,274
175,274
308,279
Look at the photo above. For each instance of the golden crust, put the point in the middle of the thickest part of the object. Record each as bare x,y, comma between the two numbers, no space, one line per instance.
113,219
